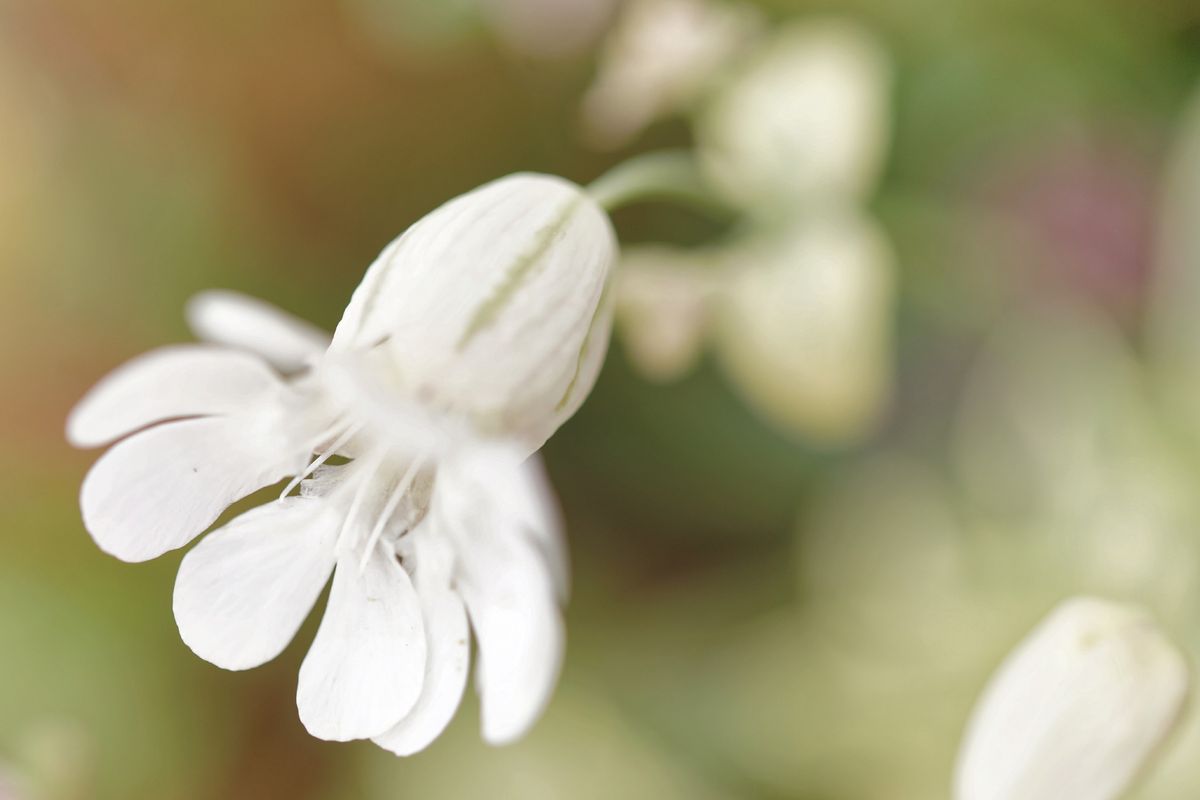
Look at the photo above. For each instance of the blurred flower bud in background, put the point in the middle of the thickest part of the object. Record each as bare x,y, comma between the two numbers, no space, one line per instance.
799,301
804,121
805,331
661,57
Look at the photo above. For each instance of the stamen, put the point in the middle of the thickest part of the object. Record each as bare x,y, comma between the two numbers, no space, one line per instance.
369,465
389,508
340,442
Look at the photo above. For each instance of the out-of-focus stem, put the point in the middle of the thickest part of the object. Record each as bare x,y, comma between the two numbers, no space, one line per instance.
670,175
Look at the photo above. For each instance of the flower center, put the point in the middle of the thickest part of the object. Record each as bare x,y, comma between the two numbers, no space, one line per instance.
383,493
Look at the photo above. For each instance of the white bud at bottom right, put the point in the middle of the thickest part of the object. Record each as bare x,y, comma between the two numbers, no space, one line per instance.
1076,710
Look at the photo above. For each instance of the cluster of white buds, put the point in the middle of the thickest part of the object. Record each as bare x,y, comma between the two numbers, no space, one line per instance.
791,129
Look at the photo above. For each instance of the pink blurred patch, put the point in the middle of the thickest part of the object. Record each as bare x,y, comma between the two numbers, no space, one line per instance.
1085,208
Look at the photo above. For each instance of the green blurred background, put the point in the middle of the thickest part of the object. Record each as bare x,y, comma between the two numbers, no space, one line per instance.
752,616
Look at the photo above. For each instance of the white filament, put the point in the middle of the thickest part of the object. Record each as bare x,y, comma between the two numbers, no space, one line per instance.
339,443
389,508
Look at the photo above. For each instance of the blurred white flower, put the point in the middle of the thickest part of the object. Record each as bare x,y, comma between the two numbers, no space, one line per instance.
1076,710
798,306
470,340
805,120
806,330
659,58
800,320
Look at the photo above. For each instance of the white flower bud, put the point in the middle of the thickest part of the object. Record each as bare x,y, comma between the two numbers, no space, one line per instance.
494,306
805,328
805,119
1076,710
660,57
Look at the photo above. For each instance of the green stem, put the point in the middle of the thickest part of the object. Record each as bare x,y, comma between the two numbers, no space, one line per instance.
671,175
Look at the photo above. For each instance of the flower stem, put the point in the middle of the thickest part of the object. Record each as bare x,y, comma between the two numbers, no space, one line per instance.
662,175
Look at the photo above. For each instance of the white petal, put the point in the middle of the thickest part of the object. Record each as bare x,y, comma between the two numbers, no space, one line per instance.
247,323
449,649
518,501
486,504
806,120
485,305
521,637
589,363
242,593
366,666
159,489
1076,710
177,381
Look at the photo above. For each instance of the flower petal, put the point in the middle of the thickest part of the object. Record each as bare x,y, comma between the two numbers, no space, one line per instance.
519,501
483,307
366,666
247,323
511,602
449,649
156,491
1076,710
170,382
492,508
242,593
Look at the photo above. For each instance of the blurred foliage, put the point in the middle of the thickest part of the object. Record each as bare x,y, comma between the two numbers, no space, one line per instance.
718,647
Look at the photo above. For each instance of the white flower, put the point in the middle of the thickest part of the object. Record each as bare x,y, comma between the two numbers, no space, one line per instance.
805,331
805,120
1076,710
470,340
659,59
